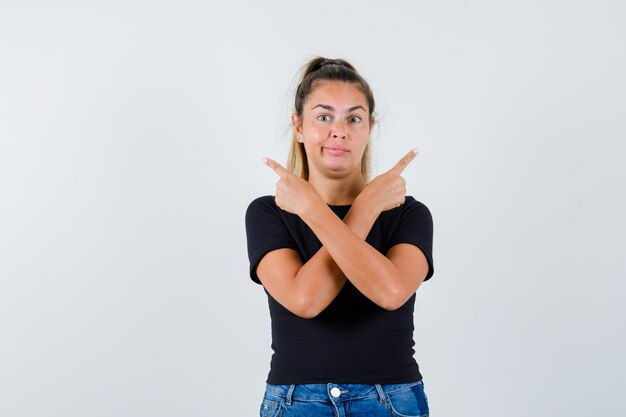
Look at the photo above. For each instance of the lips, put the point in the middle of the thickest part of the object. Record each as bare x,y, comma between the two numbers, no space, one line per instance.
335,150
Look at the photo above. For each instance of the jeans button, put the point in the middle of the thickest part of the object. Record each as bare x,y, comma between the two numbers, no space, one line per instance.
335,392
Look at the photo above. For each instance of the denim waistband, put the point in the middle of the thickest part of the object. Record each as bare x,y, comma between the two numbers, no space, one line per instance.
323,392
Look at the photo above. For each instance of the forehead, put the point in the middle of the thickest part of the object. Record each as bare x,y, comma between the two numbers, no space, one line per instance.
337,94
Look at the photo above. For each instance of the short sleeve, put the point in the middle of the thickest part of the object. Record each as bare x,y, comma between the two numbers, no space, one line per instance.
415,227
265,231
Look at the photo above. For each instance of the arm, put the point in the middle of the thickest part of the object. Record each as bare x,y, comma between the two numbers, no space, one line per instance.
387,280
307,289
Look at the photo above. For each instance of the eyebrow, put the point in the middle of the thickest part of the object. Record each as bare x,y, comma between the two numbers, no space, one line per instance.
331,108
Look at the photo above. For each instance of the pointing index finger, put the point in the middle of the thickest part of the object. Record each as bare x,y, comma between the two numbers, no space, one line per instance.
404,162
278,168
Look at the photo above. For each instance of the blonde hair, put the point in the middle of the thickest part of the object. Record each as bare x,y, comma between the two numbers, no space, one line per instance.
324,69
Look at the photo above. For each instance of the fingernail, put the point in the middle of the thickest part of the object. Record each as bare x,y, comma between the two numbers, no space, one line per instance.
415,150
265,160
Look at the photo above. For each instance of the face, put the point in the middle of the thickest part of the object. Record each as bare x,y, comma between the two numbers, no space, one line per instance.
335,128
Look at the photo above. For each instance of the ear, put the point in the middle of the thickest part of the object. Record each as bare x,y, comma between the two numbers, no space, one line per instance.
297,126
372,121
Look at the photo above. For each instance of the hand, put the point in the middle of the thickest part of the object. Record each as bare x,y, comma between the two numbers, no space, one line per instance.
293,194
387,191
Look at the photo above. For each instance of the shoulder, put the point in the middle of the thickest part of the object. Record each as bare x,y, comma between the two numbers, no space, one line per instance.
263,203
264,211
414,213
264,200
411,205
409,200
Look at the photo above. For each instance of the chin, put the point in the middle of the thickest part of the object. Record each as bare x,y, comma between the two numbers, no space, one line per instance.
337,171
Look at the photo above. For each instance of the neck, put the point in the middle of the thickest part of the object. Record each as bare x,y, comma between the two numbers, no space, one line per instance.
338,191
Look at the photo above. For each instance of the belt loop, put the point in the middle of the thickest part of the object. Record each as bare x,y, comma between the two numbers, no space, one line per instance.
381,393
289,394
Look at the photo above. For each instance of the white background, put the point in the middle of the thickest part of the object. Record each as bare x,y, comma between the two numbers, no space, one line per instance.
131,138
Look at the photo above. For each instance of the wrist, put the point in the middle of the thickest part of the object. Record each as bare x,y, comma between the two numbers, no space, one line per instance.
365,204
312,206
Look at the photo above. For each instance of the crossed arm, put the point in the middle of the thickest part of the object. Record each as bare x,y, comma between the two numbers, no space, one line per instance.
307,289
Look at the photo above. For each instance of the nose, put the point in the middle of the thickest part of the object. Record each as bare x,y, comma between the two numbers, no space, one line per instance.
338,130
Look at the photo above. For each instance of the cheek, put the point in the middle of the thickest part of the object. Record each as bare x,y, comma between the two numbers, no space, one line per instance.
315,135
363,134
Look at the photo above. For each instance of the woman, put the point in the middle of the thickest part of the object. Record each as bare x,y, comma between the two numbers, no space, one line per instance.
340,260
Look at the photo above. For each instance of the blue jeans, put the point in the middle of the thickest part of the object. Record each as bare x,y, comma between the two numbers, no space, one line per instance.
345,400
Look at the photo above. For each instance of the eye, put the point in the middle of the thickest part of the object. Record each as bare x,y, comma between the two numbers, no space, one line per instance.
355,119
323,117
